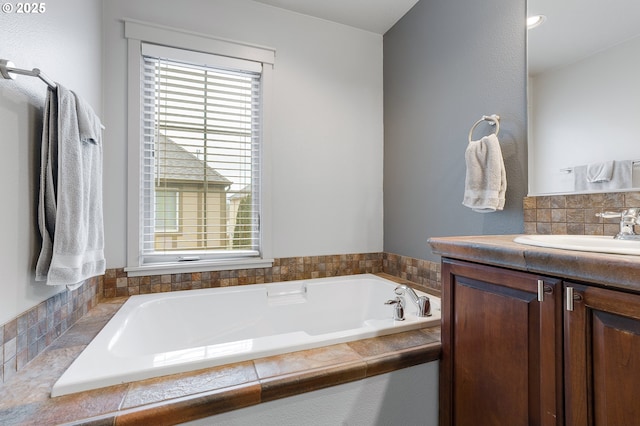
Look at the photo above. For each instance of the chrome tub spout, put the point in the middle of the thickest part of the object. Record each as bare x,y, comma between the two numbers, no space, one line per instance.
422,302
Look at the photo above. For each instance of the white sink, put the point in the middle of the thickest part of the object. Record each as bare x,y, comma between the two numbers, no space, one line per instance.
592,243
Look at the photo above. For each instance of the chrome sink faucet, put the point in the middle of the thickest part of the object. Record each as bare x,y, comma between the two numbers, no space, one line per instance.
628,219
422,302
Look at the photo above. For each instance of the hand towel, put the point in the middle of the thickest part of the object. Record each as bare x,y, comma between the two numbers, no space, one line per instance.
621,177
486,178
600,172
70,211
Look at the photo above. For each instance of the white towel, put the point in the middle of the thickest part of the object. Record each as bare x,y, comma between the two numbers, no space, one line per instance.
607,176
486,178
599,172
70,204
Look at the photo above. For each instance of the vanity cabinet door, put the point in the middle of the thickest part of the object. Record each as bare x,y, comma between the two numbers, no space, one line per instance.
602,357
501,347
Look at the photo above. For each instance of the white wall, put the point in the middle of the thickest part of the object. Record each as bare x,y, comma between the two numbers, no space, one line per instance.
584,113
65,43
327,131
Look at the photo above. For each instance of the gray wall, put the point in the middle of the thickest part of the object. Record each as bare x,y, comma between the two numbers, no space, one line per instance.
447,63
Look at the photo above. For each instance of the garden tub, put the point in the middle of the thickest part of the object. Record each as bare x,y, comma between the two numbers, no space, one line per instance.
166,333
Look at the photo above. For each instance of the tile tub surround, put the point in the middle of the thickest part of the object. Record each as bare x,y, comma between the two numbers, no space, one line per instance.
24,399
574,214
22,338
27,335
117,283
423,273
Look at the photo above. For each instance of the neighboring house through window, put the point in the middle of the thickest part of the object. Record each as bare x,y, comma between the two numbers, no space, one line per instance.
190,200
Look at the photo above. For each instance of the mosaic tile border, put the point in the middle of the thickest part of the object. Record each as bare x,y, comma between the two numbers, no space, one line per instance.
420,272
424,273
116,282
575,214
24,337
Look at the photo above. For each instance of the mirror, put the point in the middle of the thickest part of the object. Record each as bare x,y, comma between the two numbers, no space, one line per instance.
583,90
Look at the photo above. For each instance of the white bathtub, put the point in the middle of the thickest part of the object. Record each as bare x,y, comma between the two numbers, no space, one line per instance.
167,333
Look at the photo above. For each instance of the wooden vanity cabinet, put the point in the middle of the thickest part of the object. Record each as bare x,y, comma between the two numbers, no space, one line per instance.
602,357
510,359
501,347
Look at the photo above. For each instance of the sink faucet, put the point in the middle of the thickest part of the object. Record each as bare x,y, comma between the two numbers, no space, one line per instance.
628,219
423,303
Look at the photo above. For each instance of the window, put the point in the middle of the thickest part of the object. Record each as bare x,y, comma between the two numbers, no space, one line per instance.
200,148
166,211
201,133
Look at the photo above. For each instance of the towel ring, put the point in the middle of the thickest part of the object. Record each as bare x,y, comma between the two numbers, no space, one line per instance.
493,120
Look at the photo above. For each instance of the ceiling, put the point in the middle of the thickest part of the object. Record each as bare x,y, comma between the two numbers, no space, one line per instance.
376,16
575,29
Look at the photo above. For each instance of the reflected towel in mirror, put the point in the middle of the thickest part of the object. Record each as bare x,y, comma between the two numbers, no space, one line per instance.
600,172
611,175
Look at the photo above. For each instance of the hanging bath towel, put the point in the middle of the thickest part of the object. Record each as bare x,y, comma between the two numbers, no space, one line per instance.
486,178
70,214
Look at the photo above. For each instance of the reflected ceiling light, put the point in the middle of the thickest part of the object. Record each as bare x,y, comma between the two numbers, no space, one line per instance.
535,21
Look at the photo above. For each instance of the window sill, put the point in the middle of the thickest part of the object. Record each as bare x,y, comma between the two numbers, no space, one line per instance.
196,266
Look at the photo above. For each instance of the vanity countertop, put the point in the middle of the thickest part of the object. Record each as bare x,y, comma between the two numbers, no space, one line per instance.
25,397
609,270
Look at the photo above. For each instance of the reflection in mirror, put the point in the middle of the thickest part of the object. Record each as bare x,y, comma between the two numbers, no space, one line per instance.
583,94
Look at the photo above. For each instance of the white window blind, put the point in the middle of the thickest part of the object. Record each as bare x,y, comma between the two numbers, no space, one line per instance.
200,171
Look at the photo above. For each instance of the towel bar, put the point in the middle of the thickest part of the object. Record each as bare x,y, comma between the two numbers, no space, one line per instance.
7,69
570,169
493,119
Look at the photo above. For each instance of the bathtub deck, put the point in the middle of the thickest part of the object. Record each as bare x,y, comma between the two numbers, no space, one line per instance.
24,399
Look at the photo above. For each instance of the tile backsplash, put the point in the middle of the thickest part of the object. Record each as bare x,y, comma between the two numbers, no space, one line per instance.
22,338
575,214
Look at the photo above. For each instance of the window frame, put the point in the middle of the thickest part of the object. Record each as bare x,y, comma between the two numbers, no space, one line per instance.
137,33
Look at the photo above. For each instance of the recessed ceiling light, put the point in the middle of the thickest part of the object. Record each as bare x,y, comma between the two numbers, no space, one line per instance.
535,21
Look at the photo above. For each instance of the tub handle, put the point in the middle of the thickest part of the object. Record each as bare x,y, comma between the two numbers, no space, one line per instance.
398,311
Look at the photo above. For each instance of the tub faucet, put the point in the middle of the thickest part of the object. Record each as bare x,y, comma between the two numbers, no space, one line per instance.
628,219
422,302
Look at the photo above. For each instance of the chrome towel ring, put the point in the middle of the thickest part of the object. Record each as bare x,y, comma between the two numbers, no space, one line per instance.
493,119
